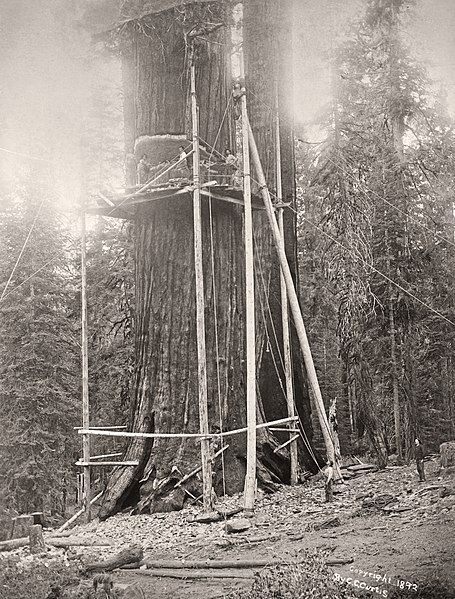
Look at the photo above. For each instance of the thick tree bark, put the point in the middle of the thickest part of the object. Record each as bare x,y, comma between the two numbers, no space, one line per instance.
268,31
165,393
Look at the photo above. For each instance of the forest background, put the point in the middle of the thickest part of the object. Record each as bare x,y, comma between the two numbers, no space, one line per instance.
375,102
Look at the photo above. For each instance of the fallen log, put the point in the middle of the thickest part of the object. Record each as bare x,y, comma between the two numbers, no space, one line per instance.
249,540
76,542
231,564
133,566
216,516
427,489
206,518
363,468
340,561
229,513
13,544
210,564
193,575
127,556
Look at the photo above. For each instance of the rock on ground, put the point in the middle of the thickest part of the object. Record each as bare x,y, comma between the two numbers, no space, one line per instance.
447,451
238,525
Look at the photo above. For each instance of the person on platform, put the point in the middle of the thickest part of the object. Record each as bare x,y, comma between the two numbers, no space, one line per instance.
143,169
420,455
186,163
229,157
231,166
182,153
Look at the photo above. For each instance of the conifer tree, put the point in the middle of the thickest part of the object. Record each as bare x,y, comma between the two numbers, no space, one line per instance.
381,184
38,354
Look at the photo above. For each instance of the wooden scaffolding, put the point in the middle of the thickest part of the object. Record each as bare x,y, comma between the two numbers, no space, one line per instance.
124,205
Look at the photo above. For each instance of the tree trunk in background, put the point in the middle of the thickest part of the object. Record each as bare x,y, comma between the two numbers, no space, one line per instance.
267,47
451,399
394,370
165,389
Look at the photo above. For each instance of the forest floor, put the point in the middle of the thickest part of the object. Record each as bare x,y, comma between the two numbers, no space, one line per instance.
410,539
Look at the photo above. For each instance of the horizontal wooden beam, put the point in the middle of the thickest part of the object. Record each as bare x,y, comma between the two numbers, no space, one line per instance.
105,455
229,199
124,206
132,463
105,433
284,430
103,428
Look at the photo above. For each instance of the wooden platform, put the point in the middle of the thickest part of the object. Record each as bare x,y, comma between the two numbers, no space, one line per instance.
124,205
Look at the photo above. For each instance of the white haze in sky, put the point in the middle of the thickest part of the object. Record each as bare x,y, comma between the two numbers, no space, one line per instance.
48,74
321,24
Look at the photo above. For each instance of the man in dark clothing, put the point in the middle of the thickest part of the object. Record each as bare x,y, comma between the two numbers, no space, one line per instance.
420,454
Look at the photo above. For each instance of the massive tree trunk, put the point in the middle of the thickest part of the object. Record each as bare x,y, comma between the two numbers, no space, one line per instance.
165,390
268,47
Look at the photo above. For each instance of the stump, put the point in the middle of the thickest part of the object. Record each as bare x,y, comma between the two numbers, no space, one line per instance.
36,539
20,525
447,451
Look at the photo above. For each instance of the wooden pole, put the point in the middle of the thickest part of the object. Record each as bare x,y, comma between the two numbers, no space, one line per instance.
85,395
200,304
295,307
236,431
284,313
250,477
75,516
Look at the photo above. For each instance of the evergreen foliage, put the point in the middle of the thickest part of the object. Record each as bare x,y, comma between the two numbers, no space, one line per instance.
379,189
111,318
376,247
38,355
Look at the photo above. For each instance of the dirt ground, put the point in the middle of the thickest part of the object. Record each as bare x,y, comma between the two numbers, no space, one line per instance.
411,539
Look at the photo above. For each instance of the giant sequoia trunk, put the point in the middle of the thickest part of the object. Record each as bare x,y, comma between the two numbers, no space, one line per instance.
268,47
165,390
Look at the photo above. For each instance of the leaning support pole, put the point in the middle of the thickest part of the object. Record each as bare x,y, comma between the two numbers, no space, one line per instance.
75,516
293,450
85,395
250,477
294,304
200,306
